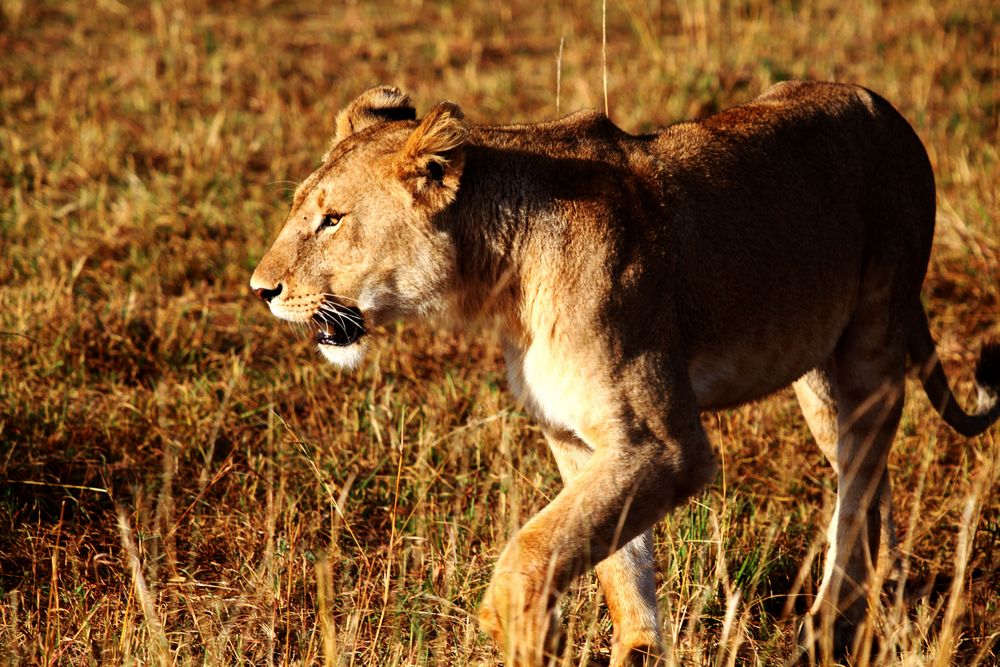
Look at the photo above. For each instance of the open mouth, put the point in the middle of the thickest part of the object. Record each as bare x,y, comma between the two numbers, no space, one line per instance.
337,324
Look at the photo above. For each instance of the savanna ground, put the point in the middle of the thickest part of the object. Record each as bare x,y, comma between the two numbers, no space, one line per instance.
182,480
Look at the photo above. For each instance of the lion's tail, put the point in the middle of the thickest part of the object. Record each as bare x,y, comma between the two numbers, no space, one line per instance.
923,354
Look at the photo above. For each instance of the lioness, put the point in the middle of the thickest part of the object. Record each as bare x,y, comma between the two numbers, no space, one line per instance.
636,281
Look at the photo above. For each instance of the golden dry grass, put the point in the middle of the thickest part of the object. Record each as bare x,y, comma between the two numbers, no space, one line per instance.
185,482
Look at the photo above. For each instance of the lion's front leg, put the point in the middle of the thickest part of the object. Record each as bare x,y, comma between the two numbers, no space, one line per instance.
627,576
519,611
630,481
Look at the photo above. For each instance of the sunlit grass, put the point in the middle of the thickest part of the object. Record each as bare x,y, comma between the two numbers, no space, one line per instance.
183,480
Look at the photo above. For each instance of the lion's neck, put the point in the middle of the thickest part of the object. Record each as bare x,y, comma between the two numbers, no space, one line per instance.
491,220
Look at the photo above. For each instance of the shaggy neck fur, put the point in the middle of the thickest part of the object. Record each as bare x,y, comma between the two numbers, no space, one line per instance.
491,222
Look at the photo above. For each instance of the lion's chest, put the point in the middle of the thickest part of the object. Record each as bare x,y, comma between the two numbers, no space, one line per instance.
557,389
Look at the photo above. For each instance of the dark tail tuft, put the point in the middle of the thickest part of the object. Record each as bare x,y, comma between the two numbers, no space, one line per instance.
988,378
988,368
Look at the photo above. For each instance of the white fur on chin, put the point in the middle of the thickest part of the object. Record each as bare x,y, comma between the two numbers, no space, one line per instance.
347,357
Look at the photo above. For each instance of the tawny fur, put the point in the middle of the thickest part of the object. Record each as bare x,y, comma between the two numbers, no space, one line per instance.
637,280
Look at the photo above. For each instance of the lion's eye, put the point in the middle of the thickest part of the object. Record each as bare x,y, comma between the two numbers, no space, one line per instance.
329,221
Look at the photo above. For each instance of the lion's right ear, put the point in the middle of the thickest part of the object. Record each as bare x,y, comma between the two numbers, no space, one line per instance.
431,162
375,105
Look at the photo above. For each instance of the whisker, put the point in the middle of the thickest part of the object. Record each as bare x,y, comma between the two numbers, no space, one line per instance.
336,313
339,296
382,290
341,313
329,307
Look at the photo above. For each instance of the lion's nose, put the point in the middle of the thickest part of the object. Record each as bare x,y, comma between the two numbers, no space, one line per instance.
267,294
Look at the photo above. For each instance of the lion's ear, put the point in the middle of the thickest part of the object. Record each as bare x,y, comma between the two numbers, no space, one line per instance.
375,105
430,164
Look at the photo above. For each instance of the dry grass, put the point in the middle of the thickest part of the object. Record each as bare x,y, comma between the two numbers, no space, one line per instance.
183,481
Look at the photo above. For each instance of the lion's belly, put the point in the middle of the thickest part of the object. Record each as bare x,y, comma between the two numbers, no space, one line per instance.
762,358
735,377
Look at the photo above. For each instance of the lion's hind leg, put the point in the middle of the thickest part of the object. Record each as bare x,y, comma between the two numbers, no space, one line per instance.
860,391
814,393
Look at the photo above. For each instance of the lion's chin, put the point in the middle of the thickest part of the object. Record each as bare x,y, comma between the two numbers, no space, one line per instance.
345,356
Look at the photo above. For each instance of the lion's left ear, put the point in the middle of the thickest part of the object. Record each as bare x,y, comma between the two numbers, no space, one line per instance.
376,105
431,161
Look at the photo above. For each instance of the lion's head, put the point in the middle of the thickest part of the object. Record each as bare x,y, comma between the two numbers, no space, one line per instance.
363,243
